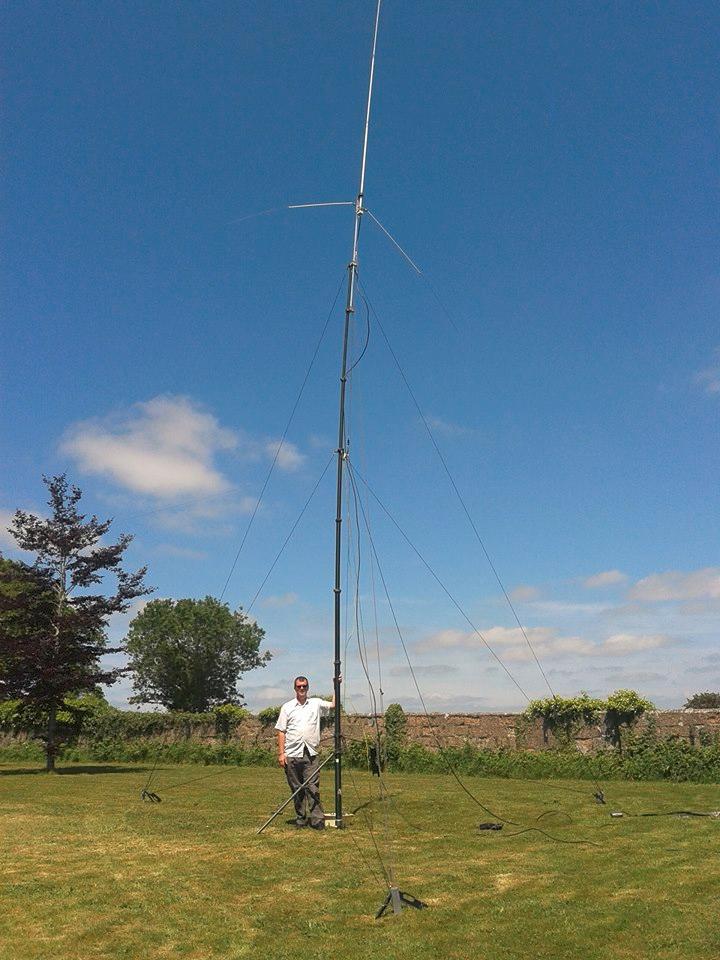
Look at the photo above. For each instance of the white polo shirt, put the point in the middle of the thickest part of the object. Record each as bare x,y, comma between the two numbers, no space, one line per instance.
300,722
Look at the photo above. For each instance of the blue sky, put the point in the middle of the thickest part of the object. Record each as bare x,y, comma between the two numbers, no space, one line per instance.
551,168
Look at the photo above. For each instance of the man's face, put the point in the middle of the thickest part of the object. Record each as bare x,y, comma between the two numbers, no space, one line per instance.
301,691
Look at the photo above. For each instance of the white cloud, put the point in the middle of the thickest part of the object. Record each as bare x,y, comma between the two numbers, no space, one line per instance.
7,540
288,456
209,516
546,644
119,622
319,441
709,377
164,448
525,594
568,608
609,578
511,636
167,448
8,543
512,642
676,585
512,645
446,428
286,600
431,670
448,639
627,643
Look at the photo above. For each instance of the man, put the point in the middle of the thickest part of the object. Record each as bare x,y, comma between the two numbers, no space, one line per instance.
298,730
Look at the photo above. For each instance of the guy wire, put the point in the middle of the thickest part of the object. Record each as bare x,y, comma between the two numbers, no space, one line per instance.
354,473
468,516
440,583
292,531
354,558
460,498
282,440
359,631
412,672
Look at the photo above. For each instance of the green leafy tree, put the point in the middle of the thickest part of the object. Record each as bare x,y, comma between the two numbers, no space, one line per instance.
190,654
703,701
53,621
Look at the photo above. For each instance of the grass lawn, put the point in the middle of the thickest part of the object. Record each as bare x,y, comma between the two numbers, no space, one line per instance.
90,871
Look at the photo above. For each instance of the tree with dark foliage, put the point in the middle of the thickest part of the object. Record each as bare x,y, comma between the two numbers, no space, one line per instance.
708,700
189,654
52,622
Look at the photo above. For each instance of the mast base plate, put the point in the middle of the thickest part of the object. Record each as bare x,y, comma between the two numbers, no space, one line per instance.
332,821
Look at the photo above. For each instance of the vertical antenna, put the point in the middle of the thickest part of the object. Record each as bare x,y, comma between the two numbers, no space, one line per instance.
342,443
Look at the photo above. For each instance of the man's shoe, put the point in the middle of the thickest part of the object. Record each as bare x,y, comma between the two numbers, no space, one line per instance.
320,825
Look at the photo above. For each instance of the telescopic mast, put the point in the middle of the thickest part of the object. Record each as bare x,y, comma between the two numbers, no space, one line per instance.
342,440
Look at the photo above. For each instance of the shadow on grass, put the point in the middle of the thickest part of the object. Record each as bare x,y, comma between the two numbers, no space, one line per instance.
69,771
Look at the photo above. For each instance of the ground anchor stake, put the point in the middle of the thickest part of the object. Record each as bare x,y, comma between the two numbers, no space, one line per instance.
398,898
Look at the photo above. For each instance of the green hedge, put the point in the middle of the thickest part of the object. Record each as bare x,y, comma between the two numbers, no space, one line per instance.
644,758
669,759
109,735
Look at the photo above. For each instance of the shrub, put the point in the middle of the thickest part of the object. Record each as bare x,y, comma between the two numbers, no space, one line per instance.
11,716
645,758
418,759
361,754
395,732
74,714
624,708
703,701
22,753
671,759
565,718
227,717
269,716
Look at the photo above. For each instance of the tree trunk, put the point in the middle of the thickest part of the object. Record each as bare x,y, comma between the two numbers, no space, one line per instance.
51,742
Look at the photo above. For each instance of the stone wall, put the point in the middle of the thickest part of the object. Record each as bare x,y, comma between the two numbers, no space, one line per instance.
486,731
489,731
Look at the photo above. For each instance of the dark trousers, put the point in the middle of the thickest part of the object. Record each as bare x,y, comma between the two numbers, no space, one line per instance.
305,769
